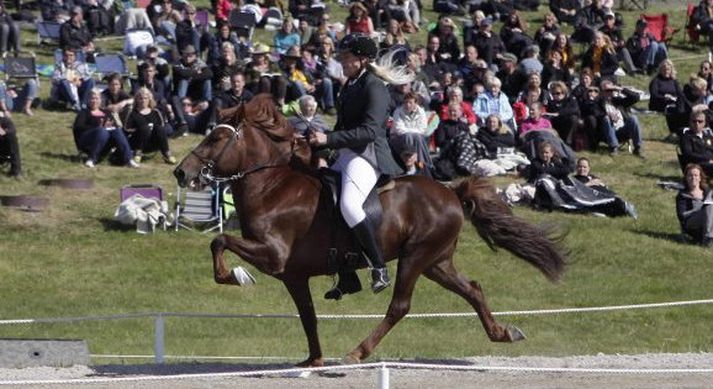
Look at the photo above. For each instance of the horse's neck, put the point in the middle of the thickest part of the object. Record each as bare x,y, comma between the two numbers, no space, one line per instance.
272,184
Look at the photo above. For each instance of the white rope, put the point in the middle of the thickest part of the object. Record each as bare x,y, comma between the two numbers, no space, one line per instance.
400,365
361,316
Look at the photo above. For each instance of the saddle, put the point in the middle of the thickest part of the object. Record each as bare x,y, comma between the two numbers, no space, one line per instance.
344,257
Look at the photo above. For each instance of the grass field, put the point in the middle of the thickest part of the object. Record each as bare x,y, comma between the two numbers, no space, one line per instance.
72,260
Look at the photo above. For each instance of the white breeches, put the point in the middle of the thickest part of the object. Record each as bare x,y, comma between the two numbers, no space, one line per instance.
358,178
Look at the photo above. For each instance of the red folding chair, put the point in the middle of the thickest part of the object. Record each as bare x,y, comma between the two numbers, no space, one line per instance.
658,27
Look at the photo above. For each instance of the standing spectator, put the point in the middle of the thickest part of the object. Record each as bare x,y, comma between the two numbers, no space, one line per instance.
147,128
286,36
694,206
191,77
9,32
74,34
9,147
358,20
664,88
646,52
697,143
71,80
96,129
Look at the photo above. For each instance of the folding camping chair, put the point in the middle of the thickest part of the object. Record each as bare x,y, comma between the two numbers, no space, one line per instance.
203,20
242,22
48,33
20,67
144,190
193,207
109,63
658,26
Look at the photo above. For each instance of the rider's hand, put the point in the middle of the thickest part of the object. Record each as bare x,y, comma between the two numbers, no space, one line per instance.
317,138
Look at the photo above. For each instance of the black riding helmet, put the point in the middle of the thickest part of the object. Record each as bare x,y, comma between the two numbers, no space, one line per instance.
360,45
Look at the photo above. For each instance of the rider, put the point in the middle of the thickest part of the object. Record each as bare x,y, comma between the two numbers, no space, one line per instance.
360,138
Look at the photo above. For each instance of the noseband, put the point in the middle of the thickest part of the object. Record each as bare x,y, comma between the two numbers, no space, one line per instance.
208,175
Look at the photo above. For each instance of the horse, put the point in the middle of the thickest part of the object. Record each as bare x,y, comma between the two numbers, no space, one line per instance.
284,226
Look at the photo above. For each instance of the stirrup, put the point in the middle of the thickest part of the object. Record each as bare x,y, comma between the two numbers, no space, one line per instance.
379,279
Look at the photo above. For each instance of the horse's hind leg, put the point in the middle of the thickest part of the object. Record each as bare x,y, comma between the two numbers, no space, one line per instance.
398,308
445,274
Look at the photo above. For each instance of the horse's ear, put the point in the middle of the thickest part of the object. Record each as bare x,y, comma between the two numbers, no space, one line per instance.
230,113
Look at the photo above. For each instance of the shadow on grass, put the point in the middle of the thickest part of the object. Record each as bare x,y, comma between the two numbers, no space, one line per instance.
63,157
658,177
113,225
675,238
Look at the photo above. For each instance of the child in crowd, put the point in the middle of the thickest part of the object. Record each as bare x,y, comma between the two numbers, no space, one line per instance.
546,163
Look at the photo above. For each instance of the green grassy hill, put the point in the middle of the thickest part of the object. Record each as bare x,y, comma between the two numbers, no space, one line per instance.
71,260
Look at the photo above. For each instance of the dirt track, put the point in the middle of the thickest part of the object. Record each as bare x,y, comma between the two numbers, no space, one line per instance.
398,378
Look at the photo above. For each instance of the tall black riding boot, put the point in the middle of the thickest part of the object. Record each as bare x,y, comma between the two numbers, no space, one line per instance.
367,239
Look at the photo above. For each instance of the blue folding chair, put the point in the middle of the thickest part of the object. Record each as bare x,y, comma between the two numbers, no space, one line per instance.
48,33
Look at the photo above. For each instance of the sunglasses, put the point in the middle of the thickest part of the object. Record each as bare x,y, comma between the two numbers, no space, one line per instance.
698,121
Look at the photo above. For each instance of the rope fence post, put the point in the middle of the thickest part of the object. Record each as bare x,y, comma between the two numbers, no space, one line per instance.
383,382
158,347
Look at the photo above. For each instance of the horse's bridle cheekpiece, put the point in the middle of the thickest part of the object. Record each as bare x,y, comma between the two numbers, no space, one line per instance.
207,173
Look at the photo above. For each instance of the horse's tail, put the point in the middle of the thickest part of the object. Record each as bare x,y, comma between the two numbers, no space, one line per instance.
496,224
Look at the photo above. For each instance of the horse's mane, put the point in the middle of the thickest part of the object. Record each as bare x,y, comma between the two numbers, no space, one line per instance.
260,113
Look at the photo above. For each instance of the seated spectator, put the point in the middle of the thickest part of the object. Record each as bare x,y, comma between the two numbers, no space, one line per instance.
327,58
705,71
162,67
71,81
9,32
546,35
286,36
188,33
74,34
565,10
448,49
534,83
9,148
412,166
588,20
434,63
19,100
394,37
586,80
100,20
410,128
191,77
495,135
697,143
694,206
521,107
530,62
165,22
493,101
454,123
601,57
664,88
593,114
405,13
646,52
222,10
298,84
490,46
217,41
148,80
622,124
702,20
563,112
554,70
263,76
146,128
562,46
511,76
55,10
611,30
615,207
535,121
114,98
547,163
358,20
96,130
324,86
227,65
196,116
418,85
455,95
307,120
236,95
694,98
514,36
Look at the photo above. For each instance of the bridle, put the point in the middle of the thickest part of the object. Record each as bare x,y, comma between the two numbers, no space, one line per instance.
206,171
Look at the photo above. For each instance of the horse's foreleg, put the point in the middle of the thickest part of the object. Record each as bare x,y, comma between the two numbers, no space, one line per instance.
268,258
445,274
398,308
301,295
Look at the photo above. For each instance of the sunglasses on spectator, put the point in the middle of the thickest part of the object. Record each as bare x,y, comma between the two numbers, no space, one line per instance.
698,121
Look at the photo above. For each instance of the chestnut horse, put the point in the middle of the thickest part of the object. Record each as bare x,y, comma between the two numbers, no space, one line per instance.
285,232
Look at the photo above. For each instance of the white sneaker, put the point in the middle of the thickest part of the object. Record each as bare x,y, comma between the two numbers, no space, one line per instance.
89,163
133,164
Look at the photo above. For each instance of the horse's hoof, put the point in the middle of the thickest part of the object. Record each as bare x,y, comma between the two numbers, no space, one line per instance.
350,359
515,333
242,277
318,362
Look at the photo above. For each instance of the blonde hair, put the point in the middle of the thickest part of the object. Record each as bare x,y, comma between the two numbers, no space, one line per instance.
147,95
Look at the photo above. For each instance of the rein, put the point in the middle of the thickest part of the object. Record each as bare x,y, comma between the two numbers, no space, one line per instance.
209,164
